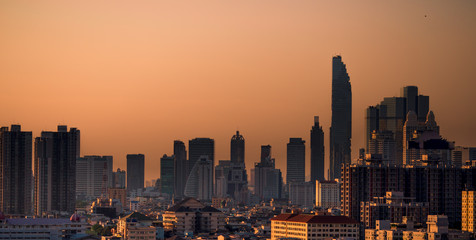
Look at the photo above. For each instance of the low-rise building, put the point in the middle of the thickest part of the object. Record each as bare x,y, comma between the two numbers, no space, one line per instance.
313,227
327,194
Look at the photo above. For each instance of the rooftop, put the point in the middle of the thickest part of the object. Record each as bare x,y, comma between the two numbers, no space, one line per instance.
307,218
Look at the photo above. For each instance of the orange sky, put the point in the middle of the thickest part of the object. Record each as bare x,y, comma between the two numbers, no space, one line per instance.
134,76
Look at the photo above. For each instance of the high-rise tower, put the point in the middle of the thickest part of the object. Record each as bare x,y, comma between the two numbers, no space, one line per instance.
135,171
341,125
180,154
317,152
15,170
199,147
296,161
237,148
55,170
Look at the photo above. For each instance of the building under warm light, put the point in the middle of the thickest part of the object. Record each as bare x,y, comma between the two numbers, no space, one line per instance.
313,227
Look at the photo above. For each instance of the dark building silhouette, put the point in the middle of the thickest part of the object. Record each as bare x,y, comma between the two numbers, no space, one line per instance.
15,170
237,148
135,172
200,147
341,125
265,152
167,174
317,152
180,154
268,181
55,170
296,161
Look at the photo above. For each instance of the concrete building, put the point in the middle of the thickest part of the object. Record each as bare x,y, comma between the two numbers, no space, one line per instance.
383,143
135,172
41,228
136,226
55,170
199,147
192,216
119,179
200,181
439,185
180,168
317,151
93,176
296,161
468,211
268,181
302,194
237,178
341,124
327,194
303,226
118,193
167,175
15,171
393,207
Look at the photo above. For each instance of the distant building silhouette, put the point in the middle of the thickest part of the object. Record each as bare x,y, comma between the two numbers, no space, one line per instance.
55,170
237,178
341,125
93,176
237,148
268,181
119,179
15,170
198,147
135,172
200,181
296,161
167,174
181,172
317,151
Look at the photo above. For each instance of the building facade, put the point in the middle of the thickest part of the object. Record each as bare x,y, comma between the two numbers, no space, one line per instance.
200,181
317,152
180,168
119,179
15,171
296,161
135,172
167,174
341,124
302,194
468,211
93,176
55,170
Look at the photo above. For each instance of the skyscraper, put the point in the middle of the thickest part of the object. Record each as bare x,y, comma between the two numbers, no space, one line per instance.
135,172
200,147
167,173
119,179
317,152
200,181
296,161
341,125
93,176
55,170
15,171
180,154
237,148
268,180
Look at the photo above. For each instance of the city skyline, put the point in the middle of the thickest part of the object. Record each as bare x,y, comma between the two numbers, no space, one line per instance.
107,104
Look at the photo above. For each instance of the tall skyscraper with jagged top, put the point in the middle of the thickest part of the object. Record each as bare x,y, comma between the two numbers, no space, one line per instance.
341,124
317,152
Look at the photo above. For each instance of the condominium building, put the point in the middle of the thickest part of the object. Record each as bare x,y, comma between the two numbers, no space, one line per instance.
313,227
327,194
93,176
302,194
468,211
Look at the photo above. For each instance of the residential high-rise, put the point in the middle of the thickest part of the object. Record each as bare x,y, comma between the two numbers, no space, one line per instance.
55,170
468,218
327,194
167,174
135,172
119,179
198,147
317,152
296,161
180,154
200,181
93,176
15,170
301,194
341,125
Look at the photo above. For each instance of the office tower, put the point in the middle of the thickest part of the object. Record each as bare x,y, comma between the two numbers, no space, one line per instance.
302,194
167,174
383,143
268,180
317,151
296,161
468,211
119,179
463,156
200,181
237,148
327,194
198,147
135,172
371,123
222,174
93,176
341,125
55,170
180,154
410,93
15,170
423,107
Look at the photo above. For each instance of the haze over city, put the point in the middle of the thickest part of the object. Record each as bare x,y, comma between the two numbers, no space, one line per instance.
134,77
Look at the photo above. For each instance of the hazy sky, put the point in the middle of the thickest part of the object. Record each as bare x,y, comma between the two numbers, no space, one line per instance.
135,75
